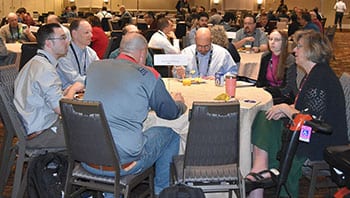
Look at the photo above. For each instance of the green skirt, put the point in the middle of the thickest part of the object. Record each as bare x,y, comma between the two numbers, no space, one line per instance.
267,135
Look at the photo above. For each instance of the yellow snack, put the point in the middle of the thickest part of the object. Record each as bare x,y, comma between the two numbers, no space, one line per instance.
186,82
197,80
222,96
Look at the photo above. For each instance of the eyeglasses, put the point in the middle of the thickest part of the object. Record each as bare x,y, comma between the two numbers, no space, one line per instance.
58,38
275,39
206,47
298,46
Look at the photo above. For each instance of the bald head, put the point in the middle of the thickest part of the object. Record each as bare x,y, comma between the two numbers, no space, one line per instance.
203,40
135,45
53,19
12,19
130,29
122,8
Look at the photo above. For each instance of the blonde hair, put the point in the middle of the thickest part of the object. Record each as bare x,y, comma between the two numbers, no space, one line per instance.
218,35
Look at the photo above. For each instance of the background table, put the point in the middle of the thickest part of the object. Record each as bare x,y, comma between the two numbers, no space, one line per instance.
16,48
207,92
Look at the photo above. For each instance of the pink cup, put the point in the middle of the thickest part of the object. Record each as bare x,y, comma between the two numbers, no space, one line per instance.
230,85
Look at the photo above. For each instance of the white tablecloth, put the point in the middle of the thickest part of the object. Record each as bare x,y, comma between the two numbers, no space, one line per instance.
16,48
207,92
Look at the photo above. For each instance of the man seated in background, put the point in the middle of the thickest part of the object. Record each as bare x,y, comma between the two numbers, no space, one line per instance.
202,21
24,17
38,90
150,20
250,35
136,90
263,23
207,58
306,23
131,29
160,39
54,19
72,68
16,32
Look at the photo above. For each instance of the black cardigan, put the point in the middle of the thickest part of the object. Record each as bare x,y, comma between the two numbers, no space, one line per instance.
322,95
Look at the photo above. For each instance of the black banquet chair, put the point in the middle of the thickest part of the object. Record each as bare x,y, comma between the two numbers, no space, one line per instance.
28,51
87,135
211,159
113,44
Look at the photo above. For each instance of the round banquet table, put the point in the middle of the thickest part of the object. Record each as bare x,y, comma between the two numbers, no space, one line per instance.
251,99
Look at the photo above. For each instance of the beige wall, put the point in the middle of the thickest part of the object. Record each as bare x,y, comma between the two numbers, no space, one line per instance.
6,6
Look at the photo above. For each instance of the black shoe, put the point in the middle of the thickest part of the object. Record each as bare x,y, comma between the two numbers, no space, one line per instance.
260,181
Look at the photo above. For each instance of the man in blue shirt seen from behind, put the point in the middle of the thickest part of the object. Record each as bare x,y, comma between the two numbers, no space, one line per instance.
128,91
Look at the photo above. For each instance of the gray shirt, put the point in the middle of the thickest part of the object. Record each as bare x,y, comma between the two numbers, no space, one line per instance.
38,90
259,36
72,68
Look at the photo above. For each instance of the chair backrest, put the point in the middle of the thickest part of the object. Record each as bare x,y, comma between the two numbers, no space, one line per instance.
181,29
113,44
345,82
114,25
8,76
154,51
142,26
164,70
149,33
105,24
28,52
9,114
213,136
87,133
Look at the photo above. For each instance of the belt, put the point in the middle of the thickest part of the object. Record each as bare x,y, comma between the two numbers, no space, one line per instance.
34,135
111,168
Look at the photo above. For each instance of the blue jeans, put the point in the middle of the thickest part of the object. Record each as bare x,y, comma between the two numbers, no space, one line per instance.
162,143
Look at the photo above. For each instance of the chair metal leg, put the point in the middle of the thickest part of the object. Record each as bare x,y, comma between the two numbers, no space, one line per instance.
6,156
18,174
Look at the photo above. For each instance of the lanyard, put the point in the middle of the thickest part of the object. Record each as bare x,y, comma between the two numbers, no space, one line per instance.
301,87
209,61
43,55
77,60
13,36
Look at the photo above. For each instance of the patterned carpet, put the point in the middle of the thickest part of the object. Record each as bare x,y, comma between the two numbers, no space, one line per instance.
340,64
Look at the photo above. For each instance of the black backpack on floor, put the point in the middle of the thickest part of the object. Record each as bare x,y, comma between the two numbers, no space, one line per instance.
47,176
181,191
